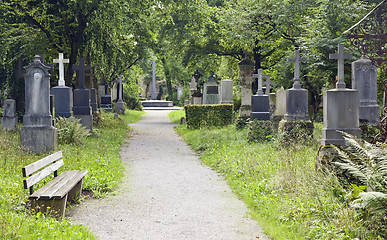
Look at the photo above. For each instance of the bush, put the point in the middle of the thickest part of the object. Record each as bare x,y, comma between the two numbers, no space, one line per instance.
70,131
295,132
241,123
133,102
260,131
209,115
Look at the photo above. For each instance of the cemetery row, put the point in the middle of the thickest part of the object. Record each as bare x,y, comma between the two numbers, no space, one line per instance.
343,108
38,133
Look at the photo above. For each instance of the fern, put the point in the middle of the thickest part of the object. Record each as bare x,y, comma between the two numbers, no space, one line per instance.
70,131
376,202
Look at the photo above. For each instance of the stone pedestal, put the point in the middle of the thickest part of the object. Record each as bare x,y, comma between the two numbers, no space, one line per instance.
226,92
38,139
93,100
296,105
260,108
120,107
64,101
82,109
341,113
197,100
211,93
9,120
364,79
246,71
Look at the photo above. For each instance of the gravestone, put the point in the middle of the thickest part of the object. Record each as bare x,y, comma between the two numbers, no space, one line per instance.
211,90
120,105
37,134
93,100
62,93
340,107
9,119
260,101
364,79
280,106
82,108
106,100
196,96
246,71
226,92
296,97
192,88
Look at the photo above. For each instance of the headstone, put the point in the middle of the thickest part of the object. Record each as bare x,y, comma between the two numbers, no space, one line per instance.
93,100
63,94
196,96
114,91
154,95
211,90
179,92
260,101
9,119
37,134
82,108
226,92
364,79
120,105
296,97
280,105
340,107
246,71
192,89
106,100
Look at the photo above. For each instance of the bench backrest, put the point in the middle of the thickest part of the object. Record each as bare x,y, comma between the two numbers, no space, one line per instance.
47,166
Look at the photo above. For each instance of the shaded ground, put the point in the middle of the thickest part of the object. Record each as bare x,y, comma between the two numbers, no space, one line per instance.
167,193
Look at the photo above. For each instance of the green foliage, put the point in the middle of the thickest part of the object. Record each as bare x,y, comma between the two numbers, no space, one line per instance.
99,154
70,131
241,123
297,132
209,115
260,131
176,116
281,186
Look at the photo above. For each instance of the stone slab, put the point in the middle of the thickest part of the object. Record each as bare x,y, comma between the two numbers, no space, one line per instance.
9,123
38,139
260,108
157,103
296,105
86,121
64,101
120,107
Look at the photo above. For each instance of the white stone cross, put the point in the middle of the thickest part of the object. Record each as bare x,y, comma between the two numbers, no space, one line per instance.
61,62
297,59
340,56
259,75
268,84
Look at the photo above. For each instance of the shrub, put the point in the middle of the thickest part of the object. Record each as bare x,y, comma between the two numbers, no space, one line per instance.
295,132
260,131
209,115
241,123
133,102
70,131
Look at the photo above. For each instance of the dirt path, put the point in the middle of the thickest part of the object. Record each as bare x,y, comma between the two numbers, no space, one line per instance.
167,193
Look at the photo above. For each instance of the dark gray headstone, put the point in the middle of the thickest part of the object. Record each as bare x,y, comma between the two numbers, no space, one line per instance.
260,108
64,103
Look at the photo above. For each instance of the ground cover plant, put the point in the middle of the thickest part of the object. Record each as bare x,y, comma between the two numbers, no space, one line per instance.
99,153
286,193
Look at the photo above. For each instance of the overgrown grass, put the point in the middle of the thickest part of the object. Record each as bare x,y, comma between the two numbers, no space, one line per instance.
99,155
175,116
285,193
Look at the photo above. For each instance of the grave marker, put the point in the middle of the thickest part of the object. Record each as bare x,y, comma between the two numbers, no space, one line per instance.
260,102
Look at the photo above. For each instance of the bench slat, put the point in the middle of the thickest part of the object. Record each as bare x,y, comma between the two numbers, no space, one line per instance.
33,167
36,195
59,185
42,174
70,184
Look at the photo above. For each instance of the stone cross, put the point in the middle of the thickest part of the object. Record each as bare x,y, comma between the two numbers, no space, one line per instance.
297,59
340,56
61,61
259,75
81,68
268,84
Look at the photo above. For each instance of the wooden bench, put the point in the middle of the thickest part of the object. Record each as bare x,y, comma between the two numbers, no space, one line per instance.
52,197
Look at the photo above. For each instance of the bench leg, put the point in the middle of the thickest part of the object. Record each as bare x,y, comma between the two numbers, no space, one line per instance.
75,193
54,207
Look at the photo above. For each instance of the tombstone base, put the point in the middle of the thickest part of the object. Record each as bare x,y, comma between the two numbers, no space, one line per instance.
369,114
197,100
245,111
260,108
37,121
120,107
332,136
86,121
260,116
9,123
38,139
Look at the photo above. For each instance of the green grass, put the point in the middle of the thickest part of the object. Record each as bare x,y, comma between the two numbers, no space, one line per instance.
281,186
175,116
99,155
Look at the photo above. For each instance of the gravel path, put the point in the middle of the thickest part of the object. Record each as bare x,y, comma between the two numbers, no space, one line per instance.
167,193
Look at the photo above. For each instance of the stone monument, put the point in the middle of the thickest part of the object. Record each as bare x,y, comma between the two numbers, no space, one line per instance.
62,94
260,101
226,92
280,106
340,106
364,80
37,134
211,90
153,95
82,108
296,97
196,96
9,119
120,104
246,71
106,100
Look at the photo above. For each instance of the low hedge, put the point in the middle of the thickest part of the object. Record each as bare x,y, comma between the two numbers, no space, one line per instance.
209,115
